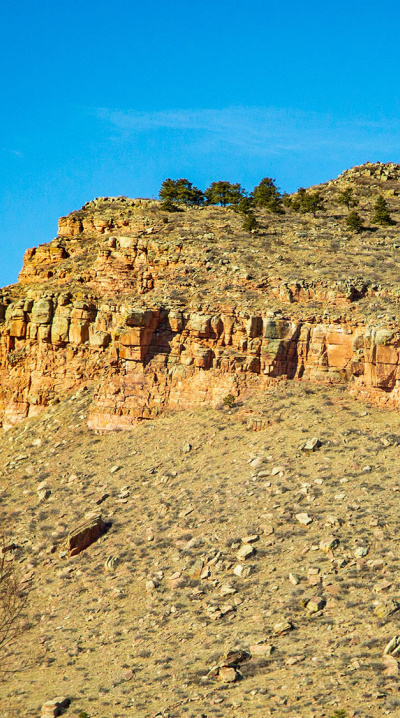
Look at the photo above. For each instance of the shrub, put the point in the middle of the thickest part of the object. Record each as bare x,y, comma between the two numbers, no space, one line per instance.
229,400
346,197
249,222
353,221
381,214
12,600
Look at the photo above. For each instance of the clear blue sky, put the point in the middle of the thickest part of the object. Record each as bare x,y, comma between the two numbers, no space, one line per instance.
102,98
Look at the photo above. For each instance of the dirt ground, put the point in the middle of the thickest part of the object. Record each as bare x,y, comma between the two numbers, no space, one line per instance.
132,625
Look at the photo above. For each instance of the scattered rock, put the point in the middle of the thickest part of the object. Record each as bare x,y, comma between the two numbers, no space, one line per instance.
186,448
381,586
86,534
251,539
245,552
329,543
111,563
391,666
310,444
228,675
385,609
315,604
196,570
393,646
55,707
283,627
304,519
100,498
277,470
262,649
242,571
227,669
257,462
227,590
361,551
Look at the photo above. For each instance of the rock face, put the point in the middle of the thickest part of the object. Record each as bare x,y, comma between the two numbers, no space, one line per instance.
145,360
86,534
136,302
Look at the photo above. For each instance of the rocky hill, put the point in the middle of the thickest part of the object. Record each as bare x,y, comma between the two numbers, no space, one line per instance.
235,552
137,300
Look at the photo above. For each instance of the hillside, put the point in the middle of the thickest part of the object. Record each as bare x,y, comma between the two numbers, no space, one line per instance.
198,456
132,625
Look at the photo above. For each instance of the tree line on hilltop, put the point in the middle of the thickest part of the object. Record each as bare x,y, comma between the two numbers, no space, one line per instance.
179,193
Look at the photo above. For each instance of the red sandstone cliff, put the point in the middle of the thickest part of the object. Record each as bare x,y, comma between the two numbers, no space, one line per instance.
170,311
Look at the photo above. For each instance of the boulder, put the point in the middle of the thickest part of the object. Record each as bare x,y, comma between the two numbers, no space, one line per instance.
86,534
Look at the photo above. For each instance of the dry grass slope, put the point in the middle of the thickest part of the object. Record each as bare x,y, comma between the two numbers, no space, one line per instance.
132,625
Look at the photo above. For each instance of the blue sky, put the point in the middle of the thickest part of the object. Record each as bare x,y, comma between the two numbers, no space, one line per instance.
108,98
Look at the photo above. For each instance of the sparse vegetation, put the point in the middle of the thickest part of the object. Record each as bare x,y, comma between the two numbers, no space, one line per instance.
13,599
249,222
347,197
267,195
224,193
381,212
354,222
180,191
224,525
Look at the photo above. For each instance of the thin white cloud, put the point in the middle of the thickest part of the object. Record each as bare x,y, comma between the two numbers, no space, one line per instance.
16,153
268,131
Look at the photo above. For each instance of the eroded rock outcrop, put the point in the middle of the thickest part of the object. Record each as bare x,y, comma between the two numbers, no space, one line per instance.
158,311
143,360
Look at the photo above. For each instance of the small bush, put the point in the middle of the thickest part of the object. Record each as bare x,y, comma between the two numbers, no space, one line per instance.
353,221
229,400
249,222
346,197
169,206
13,600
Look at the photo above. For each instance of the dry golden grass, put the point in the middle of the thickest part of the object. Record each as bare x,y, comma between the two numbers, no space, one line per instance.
118,646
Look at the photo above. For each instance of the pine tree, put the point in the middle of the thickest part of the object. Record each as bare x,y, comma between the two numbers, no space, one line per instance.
245,205
346,197
181,191
168,206
311,202
381,213
267,195
297,200
224,193
353,221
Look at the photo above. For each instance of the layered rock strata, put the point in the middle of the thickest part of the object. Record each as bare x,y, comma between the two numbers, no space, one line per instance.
158,311
143,360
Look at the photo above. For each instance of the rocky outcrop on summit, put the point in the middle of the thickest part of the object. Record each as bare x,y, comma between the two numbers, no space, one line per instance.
160,310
